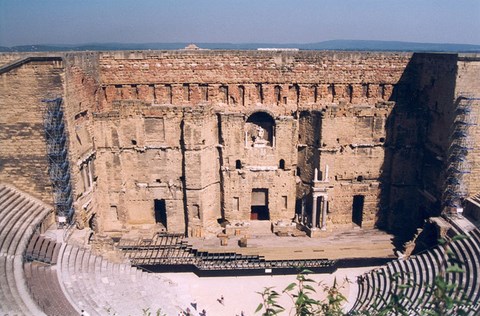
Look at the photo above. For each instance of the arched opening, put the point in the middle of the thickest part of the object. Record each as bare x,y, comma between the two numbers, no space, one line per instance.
259,130
281,164
238,164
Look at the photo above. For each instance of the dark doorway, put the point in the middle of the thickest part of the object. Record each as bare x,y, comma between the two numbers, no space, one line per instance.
160,212
259,210
357,209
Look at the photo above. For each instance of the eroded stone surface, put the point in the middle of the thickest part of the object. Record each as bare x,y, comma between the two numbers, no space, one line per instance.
178,140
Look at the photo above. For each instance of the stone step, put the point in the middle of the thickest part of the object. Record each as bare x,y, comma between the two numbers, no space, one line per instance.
19,236
98,285
46,290
19,215
8,220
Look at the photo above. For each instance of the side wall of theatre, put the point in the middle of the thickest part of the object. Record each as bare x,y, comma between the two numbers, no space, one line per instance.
23,151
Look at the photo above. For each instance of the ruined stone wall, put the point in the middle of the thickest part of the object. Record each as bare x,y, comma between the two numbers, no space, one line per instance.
201,165
6,58
80,103
247,167
245,79
195,133
353,148
435,84
23,160
138,159
220,164
468,84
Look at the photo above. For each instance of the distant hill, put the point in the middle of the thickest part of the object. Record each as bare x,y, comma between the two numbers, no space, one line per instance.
348,45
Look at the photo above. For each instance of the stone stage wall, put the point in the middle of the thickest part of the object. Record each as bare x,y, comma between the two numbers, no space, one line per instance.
179,140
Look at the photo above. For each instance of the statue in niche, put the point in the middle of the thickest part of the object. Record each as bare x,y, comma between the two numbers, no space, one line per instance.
260,132
259,137
256,135
172,187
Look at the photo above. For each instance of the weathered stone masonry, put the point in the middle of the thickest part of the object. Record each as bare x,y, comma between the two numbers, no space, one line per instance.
180,140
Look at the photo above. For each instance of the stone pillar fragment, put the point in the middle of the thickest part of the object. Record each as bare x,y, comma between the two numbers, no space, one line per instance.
314,212
324,213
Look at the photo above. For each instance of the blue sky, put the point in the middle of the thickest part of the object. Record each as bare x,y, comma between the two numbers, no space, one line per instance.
237,21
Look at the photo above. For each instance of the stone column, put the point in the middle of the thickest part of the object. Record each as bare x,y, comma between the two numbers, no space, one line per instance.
302,216
314,211
90,173
324,212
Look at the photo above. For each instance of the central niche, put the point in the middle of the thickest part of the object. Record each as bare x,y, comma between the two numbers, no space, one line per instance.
260,130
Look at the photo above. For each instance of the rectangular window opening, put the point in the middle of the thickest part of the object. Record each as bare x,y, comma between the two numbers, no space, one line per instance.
160,212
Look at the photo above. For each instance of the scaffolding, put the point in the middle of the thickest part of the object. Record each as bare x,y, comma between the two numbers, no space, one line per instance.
59,167
461,143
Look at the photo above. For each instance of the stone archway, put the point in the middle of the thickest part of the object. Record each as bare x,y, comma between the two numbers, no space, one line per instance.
260,130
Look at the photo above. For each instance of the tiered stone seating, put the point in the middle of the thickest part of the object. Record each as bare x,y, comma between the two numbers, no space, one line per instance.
41,248
45,289
36,271
468,251
376,288
101,287
20,215
41,275
472,207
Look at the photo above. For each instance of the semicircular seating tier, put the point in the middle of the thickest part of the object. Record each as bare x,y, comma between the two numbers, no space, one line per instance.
41,275
411,280
20,216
